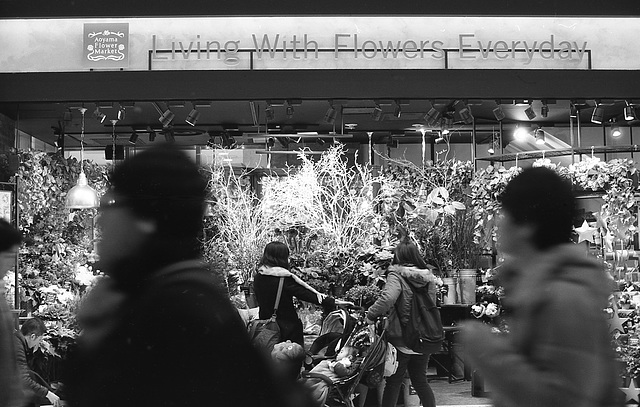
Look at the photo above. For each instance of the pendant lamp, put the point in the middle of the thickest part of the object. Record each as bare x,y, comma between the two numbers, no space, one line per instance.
82,196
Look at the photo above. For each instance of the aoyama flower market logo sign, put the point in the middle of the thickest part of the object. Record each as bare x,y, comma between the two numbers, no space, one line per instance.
106,45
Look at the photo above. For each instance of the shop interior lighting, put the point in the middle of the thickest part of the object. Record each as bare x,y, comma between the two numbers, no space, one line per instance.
530,113
491,150
544,110
520,134
463,110
615,130
540,136
598,114
122,113
629,112
433,116
82,196
289,110
377,112
498,112
330,115
133,138
271,141
192,117
101,117
397,112
166,118
152,135
169,136
268,111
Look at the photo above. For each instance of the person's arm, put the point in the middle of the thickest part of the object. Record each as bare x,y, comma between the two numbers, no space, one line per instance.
304,294
390,294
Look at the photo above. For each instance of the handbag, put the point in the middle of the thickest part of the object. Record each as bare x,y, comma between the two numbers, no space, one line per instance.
265,333
390,360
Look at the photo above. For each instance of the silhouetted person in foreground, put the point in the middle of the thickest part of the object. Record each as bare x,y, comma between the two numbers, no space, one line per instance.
175,340
558,351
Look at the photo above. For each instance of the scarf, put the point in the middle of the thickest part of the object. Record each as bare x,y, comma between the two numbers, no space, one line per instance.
283,272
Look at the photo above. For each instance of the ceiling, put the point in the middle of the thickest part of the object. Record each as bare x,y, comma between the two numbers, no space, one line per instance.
293,121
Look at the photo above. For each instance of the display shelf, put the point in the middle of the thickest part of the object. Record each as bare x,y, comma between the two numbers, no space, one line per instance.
526,155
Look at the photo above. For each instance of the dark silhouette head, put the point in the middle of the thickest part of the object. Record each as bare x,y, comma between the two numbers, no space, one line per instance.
541,198
406,253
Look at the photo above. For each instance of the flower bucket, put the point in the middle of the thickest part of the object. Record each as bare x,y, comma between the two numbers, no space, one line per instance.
467,282
451,297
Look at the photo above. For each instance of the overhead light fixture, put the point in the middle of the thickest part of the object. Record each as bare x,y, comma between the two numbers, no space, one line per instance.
289,109
121,112
433,116
615,130
192,117
82,196
544,110
540,136
166,118
521,133
377,112
463,110
169,137
598,114
498,112
271,142
530,113
133,138
101,117
522,102
152,135
330,115
629,112
491,151
397,111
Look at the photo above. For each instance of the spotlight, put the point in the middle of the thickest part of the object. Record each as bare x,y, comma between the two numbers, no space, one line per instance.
133,138
463,110
544,110
269,112
615,130
397,112
152,135
166,118
491,151
520,134
169,137
320,141
530,113
377,113
629,112
598,114
330,116
433,116
540,137
101,117
192,118
271,142
499,113
289,110
121,113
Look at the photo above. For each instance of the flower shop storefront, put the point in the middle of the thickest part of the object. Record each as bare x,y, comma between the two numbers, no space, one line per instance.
338,209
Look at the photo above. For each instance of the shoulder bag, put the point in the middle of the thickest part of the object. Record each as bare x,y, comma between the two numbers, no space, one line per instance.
265,333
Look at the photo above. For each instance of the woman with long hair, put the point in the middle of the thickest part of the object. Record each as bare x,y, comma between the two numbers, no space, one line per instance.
407,267
273,266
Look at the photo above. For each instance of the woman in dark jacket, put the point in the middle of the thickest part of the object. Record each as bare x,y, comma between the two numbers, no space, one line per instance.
273,266
408,268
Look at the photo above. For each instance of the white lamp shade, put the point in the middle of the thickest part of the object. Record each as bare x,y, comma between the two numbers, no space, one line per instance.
82,196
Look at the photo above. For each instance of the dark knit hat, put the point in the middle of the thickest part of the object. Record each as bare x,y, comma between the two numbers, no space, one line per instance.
165,185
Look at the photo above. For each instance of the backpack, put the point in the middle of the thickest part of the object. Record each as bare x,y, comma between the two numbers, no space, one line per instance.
422,330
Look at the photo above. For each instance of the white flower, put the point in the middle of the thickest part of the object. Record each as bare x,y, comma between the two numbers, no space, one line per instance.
84,276
492,310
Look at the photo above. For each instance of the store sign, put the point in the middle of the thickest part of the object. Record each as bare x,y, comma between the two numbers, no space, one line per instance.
336,42
106,45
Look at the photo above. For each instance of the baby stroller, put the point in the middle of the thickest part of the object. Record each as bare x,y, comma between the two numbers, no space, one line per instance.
335,330
332,382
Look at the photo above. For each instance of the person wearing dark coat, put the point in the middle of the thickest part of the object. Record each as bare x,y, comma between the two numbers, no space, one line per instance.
273,266
174,339
27,339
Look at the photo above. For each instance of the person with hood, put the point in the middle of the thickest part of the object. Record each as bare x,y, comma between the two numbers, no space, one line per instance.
558,351
407,267
273,266
172,337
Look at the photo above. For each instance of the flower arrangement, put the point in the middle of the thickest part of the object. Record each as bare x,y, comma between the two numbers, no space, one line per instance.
488,306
